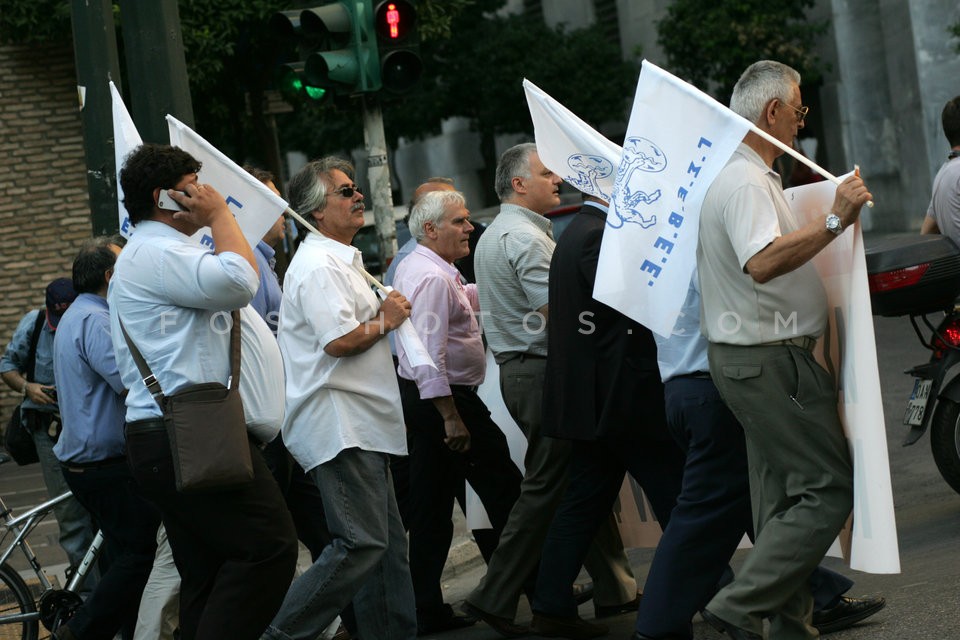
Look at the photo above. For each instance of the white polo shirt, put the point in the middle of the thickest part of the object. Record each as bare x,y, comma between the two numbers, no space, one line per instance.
334,403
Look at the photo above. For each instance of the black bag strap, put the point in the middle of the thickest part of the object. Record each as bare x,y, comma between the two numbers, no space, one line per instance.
34,340
153,385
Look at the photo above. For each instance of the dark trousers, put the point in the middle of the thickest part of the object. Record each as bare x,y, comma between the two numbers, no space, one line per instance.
596,474
301,496
129,524
436,477
712,515
236,549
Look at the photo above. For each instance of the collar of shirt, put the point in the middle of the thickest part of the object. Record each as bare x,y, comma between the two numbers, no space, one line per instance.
344,252
533,217
156,228
753,157
267,251
435,258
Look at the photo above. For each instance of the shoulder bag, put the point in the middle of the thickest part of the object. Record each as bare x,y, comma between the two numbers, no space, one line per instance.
205,425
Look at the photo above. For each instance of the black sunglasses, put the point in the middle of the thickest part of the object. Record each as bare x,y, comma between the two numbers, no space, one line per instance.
347,191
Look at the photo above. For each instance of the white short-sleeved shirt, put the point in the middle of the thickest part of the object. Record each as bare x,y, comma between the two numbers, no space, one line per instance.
334,403
743,211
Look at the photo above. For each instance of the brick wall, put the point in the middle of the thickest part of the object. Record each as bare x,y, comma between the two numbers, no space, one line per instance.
44,210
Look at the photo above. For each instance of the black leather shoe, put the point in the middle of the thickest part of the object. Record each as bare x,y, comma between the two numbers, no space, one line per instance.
603,611
847,612
574,628
439,619
582,592
504,626
721,625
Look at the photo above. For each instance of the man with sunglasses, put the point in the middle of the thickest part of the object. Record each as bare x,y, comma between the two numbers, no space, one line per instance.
344,418
763,308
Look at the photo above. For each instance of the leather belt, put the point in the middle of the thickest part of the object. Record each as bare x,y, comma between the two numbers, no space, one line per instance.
804,342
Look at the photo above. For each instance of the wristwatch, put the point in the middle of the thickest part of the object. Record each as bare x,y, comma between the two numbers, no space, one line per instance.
834,225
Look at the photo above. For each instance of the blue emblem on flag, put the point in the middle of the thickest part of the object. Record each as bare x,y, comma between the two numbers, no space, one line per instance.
640,156
590,169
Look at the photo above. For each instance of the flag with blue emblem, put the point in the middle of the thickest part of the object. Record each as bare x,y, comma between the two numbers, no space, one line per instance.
255,207
126,138
677,141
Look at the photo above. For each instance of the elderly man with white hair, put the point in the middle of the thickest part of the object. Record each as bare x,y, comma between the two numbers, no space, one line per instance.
450,435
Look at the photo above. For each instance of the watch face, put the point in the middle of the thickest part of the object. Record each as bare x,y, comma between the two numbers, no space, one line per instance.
833,223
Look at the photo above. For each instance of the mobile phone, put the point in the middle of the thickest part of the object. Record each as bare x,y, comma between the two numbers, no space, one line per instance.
164,201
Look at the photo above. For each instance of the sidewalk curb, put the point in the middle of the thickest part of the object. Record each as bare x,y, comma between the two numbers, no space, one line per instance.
464,556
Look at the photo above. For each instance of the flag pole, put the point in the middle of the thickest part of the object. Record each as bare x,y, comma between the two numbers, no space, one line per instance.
799,157
296,216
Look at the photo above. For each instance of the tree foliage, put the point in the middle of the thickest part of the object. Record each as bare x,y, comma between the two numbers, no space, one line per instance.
710,43
474,63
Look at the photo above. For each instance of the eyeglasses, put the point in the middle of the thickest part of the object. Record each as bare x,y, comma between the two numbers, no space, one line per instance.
347,191
802,112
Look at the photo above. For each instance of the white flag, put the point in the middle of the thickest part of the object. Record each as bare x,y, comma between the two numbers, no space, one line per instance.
848,351
126,138
569,147
409,344
677,141
252,203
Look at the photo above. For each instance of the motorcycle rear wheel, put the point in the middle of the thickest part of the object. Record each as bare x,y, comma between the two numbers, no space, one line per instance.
945,441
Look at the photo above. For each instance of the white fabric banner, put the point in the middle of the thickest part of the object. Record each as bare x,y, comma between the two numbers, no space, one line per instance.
677,141
126,138
255,207
569,147
848,351
408,338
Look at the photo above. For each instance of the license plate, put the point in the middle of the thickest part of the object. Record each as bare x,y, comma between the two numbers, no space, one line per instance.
917,405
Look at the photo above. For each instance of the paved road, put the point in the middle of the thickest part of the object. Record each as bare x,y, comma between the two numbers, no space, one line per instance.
923,602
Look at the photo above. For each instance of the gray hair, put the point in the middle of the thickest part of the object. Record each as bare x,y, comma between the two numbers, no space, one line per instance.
431,208
760,83
307,189
514,163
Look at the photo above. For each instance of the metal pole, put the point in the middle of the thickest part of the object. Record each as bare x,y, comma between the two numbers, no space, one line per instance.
95,53
378,172
156,66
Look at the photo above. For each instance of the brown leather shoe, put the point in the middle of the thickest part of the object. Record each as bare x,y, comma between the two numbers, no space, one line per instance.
504,626
574,628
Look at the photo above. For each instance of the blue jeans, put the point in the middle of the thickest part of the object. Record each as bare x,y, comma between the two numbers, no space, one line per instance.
366,562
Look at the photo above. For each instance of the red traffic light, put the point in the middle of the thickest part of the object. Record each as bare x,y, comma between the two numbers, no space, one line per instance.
394,20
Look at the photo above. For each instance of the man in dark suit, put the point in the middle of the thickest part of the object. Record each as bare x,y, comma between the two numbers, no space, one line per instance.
603,390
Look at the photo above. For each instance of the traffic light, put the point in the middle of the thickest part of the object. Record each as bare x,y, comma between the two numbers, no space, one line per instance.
293,85
398,41
336,46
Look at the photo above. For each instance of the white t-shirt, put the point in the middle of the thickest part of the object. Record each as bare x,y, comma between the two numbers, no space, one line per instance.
261,376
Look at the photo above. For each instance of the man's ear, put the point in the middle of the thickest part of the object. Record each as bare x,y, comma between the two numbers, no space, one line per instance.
770,113
518,185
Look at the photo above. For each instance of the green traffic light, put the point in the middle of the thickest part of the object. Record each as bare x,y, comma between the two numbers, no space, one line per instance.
315,93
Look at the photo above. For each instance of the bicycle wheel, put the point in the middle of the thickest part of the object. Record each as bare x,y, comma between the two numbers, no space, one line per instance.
15,598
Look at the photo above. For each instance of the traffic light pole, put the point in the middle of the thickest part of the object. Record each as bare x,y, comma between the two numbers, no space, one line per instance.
378,173
95,52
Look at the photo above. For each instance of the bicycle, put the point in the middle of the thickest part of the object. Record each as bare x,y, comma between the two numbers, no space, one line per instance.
54,606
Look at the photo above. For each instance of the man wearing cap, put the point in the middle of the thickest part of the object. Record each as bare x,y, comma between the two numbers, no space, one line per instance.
41,413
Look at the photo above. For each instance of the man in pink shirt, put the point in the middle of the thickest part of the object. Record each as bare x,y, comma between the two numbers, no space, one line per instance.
450,435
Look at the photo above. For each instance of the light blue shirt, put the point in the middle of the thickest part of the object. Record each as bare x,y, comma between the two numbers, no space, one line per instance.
15,357
266,302
88,384
174,297
405,250
685,351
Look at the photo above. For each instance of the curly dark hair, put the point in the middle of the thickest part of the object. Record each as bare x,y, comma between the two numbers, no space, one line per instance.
150,166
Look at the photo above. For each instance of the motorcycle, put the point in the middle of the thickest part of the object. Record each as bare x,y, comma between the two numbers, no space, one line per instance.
919,276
